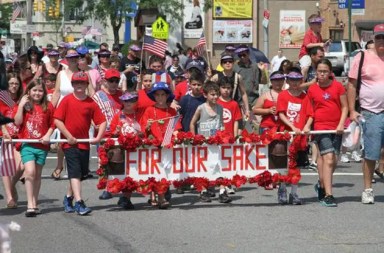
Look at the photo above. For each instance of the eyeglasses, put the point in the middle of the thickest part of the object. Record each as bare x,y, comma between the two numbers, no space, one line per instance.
225,62
14,83
242,55
323,72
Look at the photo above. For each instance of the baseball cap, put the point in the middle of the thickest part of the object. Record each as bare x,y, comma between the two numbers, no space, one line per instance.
226,57
195,64
135,48
80,76
378,29
128,96
112,73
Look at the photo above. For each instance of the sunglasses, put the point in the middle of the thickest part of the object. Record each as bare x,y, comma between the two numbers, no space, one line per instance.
114,80
379,37
133,100
242,55
228,61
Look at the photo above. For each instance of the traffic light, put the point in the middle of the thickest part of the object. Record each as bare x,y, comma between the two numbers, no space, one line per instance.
43,6
35,6
57,8
50,12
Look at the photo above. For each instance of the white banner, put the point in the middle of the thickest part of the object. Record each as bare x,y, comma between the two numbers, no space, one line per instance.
232,31
18,27
193,19
292,29
210,161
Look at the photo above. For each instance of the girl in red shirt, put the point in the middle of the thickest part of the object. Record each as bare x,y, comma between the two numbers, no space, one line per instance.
266,104
34,116
329,101
10,131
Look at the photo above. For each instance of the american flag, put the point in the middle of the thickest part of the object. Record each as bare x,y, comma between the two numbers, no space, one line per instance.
155,46
107,106
169,131
200,47
7,160
16,11
5,97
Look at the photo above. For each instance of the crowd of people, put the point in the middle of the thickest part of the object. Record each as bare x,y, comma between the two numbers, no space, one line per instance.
67,92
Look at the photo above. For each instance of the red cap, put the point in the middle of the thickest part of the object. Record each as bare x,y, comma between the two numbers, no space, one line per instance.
111,73
378,30
80,76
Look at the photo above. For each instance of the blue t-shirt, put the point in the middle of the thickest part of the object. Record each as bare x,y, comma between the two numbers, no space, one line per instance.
188,106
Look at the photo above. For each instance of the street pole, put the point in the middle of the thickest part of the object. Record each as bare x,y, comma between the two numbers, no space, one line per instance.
266,38
29,22
349,32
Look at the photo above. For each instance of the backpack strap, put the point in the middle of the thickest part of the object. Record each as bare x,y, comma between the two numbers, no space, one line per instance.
358,81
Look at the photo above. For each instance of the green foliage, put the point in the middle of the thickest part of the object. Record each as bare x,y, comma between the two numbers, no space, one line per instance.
6,14
124,49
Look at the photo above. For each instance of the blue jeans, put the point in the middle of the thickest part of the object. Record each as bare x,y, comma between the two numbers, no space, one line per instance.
373,134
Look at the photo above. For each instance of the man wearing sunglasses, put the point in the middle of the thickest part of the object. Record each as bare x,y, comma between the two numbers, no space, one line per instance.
370,95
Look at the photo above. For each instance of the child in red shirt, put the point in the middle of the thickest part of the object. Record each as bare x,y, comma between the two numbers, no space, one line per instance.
73,118
50,81
231,109
155,121
145,86
329,101
294,111
34,116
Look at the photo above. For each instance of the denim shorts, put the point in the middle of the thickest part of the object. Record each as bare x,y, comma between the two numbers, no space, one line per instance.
328,143
373,134
29,153
77,162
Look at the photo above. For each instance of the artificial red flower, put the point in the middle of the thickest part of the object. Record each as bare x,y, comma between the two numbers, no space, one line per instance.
162,186
102,183
100,171
200,183
223,181
114,186
198,140
109,143
238,180
178,183
129,185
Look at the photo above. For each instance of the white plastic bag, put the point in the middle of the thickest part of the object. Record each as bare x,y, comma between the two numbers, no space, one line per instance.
351,140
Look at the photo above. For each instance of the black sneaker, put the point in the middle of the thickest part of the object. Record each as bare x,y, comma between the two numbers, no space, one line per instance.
211,193
168,195
125,203
105,195
224,198
204,197
320,191
328,201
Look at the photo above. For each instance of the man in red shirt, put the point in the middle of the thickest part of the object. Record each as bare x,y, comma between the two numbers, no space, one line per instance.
73,118
312,38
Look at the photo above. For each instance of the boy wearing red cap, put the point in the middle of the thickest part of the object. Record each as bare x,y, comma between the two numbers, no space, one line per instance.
73,118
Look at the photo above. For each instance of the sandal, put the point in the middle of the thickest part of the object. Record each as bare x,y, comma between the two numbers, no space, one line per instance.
379,174
153,202
56,173
30,212
11,204
164,204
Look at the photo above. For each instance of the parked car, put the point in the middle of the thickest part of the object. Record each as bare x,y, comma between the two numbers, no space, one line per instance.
338,54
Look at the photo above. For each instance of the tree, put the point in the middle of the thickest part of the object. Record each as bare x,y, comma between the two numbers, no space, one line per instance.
6,14
114,12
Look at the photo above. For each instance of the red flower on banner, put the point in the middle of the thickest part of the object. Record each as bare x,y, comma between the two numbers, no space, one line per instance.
109,143
201,183
100,172
198,140
129,185
102,183
114,186
161,186
223,181
238,180
178,183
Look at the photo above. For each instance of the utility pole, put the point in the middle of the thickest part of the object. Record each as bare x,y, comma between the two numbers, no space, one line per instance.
29,22
349,32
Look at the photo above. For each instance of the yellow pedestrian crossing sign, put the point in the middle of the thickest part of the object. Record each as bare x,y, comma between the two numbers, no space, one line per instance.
160,29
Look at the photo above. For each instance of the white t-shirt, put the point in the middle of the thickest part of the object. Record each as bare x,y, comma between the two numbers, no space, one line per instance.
276,62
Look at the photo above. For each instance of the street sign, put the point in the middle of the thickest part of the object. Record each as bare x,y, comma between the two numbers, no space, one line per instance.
160,29
356,4
18,27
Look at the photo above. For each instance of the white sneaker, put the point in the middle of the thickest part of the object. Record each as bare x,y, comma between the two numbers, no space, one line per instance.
356,157
229,190
344,158
367,196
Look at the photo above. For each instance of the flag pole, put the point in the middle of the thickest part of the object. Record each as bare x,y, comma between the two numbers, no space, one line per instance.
139,86
206,50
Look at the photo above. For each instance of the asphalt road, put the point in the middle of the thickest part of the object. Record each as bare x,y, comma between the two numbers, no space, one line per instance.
253,222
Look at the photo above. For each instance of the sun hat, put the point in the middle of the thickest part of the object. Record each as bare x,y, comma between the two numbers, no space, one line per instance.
160,86
294,75
226,57
128,96
82,50
378,29
72,55
242,48
277,75
112,73
104,52
53,52
80,76
230,47
316,20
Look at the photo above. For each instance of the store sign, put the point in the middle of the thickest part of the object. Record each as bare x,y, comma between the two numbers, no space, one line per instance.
232,9
232,31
